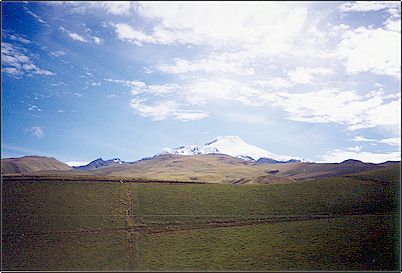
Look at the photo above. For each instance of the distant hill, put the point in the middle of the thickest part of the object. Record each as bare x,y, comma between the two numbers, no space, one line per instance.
385,175
29,164
263,160
318,170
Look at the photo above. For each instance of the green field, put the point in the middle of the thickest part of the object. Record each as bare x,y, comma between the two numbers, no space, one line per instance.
348,243
150,226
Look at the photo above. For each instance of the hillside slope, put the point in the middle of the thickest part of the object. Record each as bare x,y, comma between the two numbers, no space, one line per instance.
29,164
319,170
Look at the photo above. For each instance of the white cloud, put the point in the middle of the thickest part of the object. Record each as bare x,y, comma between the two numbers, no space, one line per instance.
344,107
97,40
337,30
226,62
322,106
204,90
275,83
258,53
265,27
16,37
304,75
34,15
365,6
121,8
339,155
363,139
374,50
190,115
116,7
127,82
355,148
264,23
36,131
77,37
80,38
34,108
155,89
58,53
386,114
12,71
166,109
92,83
127,33
15,63
396,141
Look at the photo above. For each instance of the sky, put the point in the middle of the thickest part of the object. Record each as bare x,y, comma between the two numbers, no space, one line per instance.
315,80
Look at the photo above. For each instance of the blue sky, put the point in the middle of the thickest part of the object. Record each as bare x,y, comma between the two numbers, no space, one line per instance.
319,81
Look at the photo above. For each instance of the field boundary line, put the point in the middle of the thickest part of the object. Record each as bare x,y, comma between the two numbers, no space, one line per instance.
215,223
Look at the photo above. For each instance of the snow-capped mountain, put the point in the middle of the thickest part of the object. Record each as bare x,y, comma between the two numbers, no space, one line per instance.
229,145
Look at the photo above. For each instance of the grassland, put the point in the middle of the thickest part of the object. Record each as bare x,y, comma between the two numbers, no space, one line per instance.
122,226
348,243
65,252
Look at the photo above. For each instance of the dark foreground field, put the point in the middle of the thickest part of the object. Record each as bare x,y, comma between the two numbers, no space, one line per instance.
340,223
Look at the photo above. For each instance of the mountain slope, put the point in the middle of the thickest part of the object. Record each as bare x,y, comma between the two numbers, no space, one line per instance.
229,145
29,164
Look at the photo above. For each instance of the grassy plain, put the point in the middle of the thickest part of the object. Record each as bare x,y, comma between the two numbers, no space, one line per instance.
348,243
65,252
37,219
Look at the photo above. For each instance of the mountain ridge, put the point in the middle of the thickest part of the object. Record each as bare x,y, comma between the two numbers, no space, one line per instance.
99,163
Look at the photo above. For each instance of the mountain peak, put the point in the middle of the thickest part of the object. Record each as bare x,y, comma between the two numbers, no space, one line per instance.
229,145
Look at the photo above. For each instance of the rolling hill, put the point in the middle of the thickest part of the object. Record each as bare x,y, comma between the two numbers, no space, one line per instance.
306,170
29,164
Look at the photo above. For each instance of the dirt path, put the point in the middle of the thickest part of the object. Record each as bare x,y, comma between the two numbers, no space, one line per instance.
130,210
132,234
